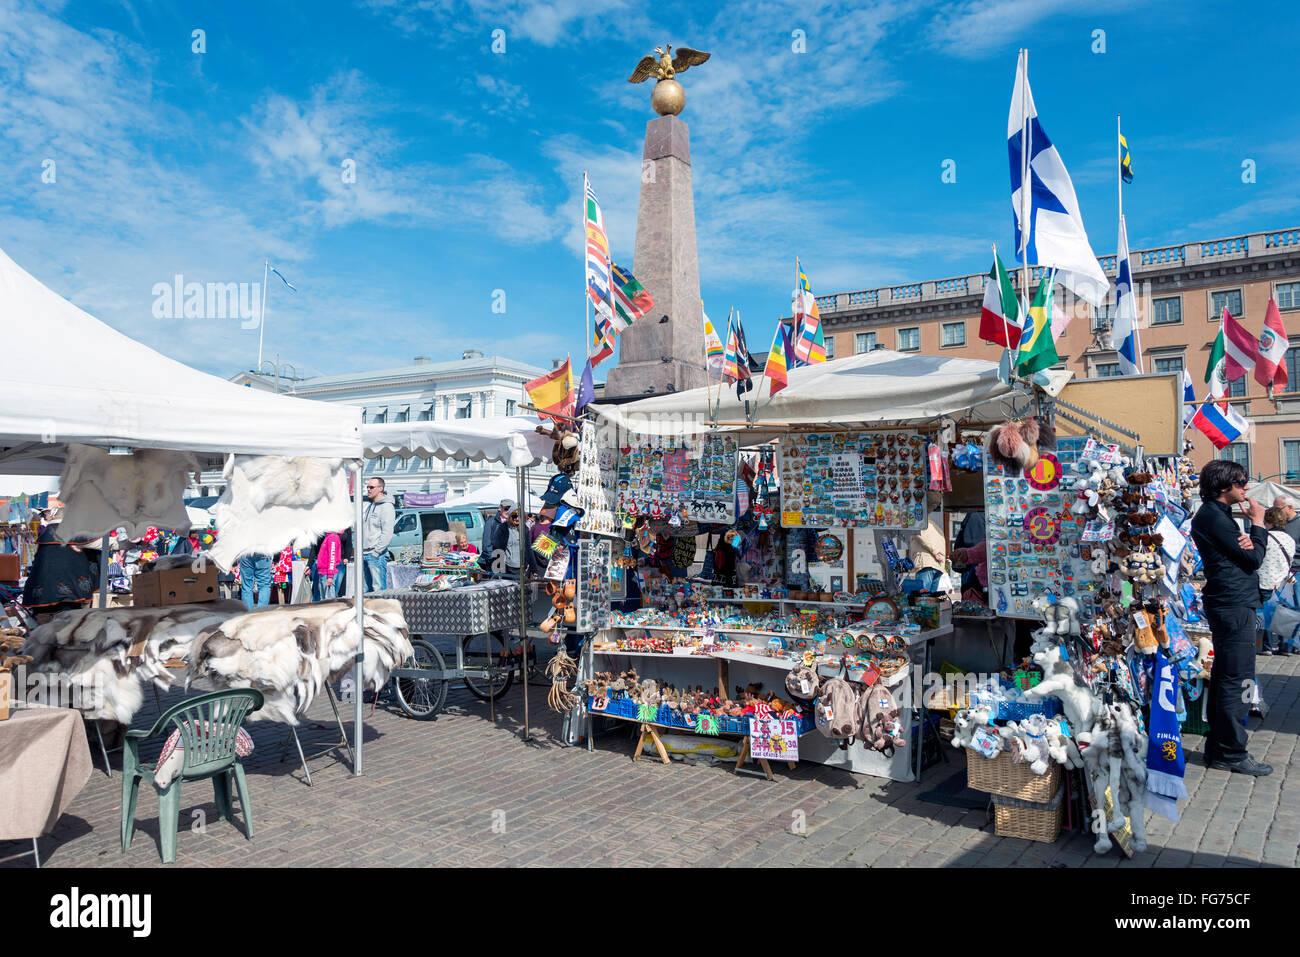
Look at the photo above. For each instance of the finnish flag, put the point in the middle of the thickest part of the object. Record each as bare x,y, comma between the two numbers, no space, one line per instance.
1123,330
1049,228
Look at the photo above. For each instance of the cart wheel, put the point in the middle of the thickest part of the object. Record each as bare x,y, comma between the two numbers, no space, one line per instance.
422,698
477,659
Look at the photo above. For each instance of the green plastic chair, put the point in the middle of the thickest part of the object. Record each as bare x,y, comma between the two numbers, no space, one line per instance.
206,756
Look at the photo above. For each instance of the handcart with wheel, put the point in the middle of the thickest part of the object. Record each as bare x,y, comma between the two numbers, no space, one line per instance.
479,615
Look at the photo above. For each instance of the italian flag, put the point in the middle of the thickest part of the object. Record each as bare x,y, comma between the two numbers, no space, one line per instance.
1000,314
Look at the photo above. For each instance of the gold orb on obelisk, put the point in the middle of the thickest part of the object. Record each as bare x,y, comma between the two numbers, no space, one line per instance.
668,98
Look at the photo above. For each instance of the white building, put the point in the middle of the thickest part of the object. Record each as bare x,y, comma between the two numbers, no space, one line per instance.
472,387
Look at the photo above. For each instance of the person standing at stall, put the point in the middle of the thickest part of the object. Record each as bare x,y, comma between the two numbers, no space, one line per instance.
1275,569
1231,595
378,521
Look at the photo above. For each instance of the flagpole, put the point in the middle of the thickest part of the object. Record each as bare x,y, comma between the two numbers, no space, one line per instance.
796,317
1006,329
1026,190
261,326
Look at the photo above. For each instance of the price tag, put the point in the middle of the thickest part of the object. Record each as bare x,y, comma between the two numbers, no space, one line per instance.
774,738
599,703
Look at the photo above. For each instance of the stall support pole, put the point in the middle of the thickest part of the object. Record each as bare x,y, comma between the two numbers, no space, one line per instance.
103,575
358,560
524,551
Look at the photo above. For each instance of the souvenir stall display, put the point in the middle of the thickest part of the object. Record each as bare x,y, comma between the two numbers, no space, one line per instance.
597,483
853,480
691,477
1115,664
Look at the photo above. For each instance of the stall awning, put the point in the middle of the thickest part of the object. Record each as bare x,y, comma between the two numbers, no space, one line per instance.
512,440
874,388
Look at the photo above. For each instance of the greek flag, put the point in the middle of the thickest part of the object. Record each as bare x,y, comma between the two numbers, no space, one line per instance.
1049,227
1123,330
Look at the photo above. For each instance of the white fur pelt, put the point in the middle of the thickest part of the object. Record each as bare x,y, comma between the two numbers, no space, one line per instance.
1114,756
90,649
103,492
289,652
1061,682
272,500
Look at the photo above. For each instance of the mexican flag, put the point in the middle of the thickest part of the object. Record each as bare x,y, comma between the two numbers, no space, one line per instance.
1037,349
1216,375
1000,314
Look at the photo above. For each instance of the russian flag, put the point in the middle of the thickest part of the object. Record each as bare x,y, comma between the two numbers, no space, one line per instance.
1221,424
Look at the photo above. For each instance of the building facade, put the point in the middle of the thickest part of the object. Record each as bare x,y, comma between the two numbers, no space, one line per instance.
472,387
1181,293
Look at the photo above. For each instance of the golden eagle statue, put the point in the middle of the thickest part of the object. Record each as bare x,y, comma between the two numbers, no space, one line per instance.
668,97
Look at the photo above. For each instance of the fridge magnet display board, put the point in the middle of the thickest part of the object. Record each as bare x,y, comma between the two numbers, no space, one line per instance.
853,480
695,477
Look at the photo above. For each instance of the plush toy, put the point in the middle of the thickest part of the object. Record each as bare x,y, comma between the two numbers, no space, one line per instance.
1204,657
1060,681
1014,445
879,726
1114,755
967,720
564,455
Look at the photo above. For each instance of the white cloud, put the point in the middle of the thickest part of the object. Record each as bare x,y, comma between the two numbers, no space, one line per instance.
977,28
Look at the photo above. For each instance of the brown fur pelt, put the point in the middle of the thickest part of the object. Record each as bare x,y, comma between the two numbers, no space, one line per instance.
90,649
1013,445
289,652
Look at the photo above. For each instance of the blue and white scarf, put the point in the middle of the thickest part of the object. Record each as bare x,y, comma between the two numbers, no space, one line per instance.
1165,760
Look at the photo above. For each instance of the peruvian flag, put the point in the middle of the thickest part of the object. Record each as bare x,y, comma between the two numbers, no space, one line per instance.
1270,370
1241,347
1221,423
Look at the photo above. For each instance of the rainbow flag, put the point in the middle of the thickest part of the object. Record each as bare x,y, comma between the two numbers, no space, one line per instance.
598,265
553,392
778,361
714,353
735,367
809,346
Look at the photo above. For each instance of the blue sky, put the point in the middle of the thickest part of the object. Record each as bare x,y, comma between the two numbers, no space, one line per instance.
469,163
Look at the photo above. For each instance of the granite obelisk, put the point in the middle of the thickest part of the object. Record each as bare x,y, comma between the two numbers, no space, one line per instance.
663,350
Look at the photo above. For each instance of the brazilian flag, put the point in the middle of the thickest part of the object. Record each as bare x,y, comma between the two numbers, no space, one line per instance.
1037,350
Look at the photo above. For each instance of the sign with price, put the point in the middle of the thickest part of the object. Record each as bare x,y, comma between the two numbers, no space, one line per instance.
774,738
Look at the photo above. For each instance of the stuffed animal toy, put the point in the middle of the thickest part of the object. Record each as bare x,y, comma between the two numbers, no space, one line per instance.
1060,682
965,722
1031,748
1204,657
1013,445
879,727
1114,755
565,454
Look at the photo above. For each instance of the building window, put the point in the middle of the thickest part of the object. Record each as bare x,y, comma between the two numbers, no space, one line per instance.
830,347
1288,295
1102,316
1292,364
1170,364
403,462
381,463
1238,452
426,413
1167,312
909,340
380,416
510,406
1237,388
1227,298
1291,459
464,405
954,333
864,342
462,463
1107,370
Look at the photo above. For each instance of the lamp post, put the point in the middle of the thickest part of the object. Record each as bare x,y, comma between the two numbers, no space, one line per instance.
276,368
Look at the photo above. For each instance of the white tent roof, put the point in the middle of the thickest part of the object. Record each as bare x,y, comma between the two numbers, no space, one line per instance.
490,495
511,440
872,388
1266,493
103,388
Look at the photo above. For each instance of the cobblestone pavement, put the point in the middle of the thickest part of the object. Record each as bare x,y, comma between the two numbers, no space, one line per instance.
461,791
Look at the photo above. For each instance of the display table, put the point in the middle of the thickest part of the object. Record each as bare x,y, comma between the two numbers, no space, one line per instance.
402,576
469,610
725,668
44,764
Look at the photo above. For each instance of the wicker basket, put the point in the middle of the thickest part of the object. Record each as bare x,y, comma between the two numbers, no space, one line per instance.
1001,775
1030,823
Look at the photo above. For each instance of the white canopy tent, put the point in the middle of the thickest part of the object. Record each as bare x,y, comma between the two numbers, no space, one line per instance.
511,440
108,390
874,388
492,494
1266,493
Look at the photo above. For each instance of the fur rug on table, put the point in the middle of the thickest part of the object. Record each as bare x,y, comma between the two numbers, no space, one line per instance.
104,492
90,648
289,652
272,500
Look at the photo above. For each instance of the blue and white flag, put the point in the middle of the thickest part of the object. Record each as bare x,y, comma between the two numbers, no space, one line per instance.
1049,227
586,388
283,280
1165,759
1189,396
1123,329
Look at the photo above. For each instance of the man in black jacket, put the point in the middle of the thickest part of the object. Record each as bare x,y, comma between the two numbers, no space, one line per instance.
1231,595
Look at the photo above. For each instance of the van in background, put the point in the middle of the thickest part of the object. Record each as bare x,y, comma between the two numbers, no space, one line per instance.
413,525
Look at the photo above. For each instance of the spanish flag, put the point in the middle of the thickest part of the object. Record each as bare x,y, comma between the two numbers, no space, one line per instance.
553,393
1037,350
778,360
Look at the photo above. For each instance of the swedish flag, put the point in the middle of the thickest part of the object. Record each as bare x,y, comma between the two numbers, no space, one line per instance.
1125,163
